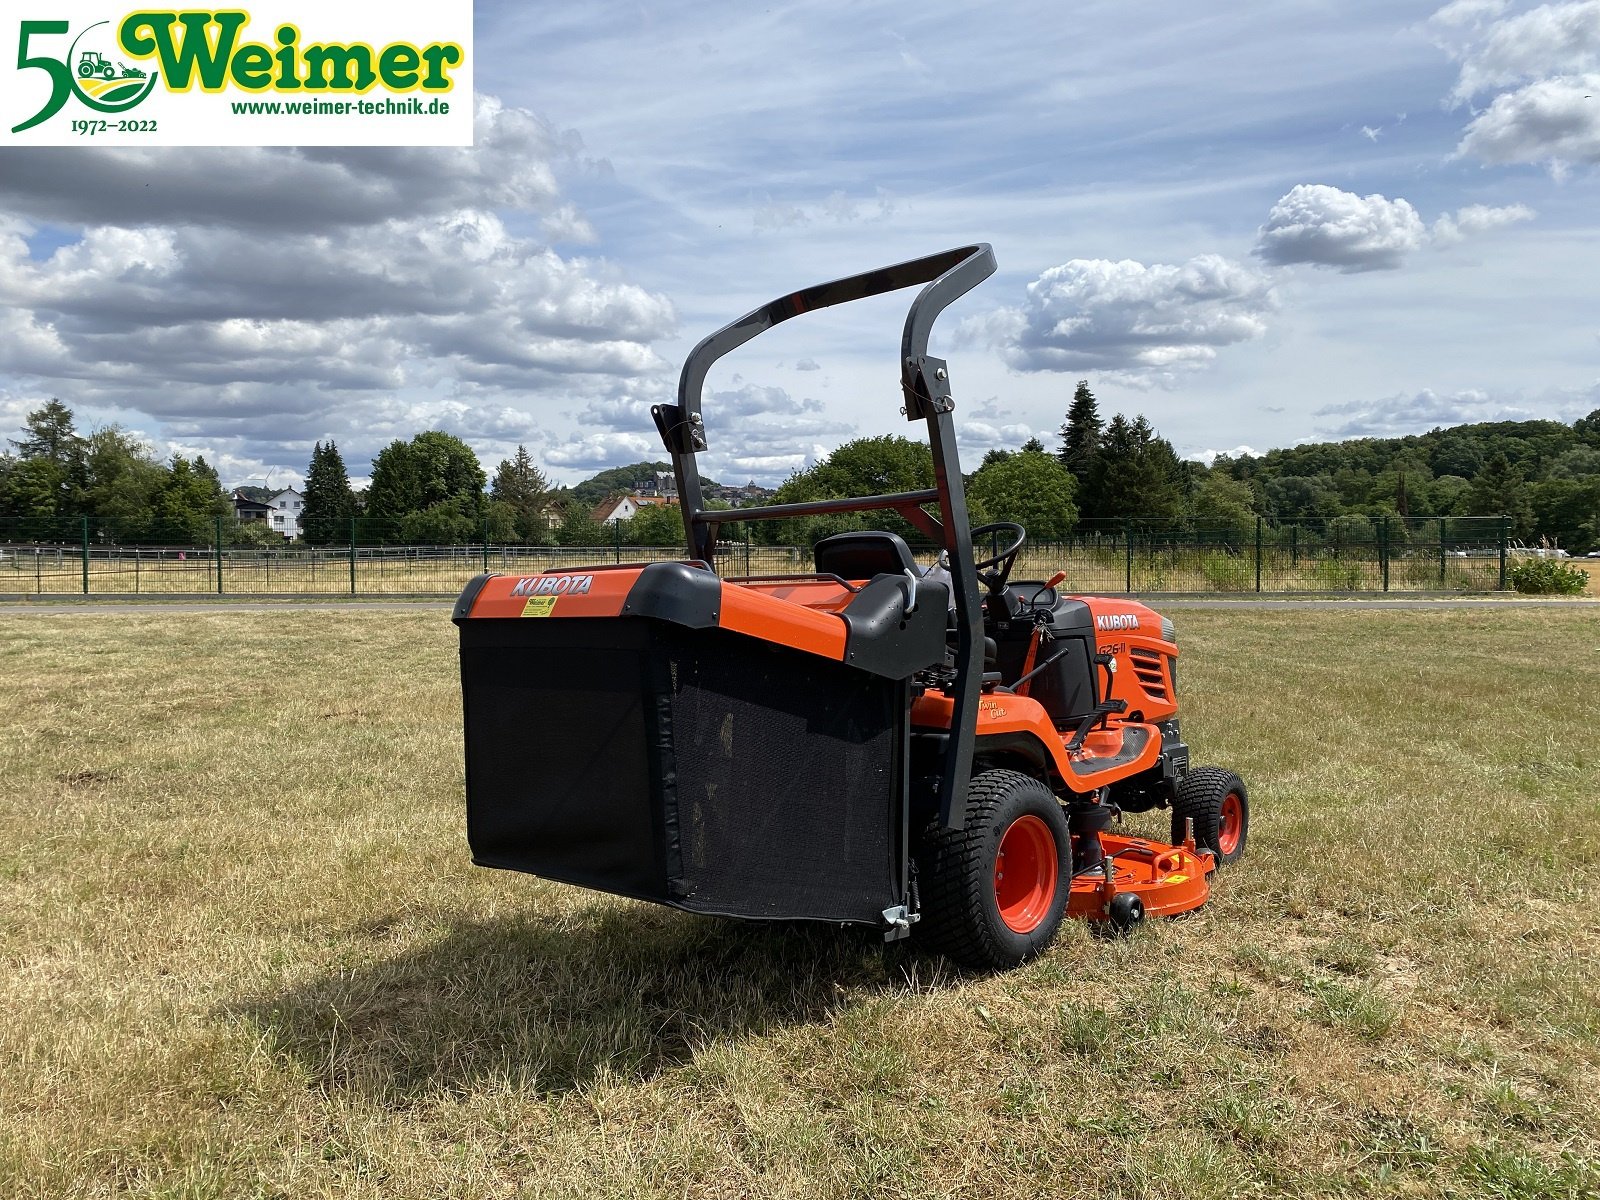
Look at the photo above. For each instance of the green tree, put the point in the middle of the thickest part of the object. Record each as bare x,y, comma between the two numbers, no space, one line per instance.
412,477
1446,496
1031,488
1567,512
1136,473
1081,433
864,467
1303,498
1499,490
523,488
579,528
656,525
1221,502
52,453
329,502
187,504
452,522
123,480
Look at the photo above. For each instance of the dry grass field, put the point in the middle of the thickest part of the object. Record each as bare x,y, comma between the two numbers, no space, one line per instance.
433,570
244,954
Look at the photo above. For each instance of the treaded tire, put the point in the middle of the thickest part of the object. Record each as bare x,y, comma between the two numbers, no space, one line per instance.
956,874
1219,804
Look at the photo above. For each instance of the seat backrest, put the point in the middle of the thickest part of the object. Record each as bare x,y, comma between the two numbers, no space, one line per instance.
864,555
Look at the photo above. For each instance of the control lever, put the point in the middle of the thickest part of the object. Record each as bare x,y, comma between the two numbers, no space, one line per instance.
912,578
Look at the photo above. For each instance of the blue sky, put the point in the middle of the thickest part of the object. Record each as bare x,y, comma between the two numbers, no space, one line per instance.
1256,225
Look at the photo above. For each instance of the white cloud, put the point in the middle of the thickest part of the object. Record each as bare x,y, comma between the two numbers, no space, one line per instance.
1553,39
1326,227
1323,226
1417,412
1553,120
1210,456
1477,218
511,166
836,208
259,323
1142,322
752,431
568,225
979,436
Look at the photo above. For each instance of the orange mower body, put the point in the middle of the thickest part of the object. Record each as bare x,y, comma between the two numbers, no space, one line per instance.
926,747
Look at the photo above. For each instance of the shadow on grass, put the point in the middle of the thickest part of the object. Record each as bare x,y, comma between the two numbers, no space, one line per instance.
550,1005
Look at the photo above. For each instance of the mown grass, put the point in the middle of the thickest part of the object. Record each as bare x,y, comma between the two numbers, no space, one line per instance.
244,954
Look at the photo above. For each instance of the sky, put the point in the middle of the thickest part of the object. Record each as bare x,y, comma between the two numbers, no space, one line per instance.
1256,225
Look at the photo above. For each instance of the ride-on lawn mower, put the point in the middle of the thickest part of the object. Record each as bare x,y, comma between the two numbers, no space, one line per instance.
868,743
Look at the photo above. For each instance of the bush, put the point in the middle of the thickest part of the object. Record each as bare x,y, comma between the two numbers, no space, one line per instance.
1227,572
1548,577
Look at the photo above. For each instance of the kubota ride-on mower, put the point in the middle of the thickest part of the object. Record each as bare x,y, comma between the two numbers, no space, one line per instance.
866,743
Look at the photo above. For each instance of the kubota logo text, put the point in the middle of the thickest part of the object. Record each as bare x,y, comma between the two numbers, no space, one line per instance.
1114,621
553,585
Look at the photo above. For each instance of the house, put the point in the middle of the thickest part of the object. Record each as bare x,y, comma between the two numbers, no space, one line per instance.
247,510
284,513
622,508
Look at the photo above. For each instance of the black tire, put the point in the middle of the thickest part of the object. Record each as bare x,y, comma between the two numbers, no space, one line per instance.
1203,795
957,872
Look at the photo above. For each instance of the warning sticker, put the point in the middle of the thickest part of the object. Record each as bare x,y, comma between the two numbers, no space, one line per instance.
540,606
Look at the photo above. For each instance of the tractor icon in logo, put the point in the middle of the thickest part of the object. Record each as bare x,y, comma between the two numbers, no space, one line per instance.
94,63
103,84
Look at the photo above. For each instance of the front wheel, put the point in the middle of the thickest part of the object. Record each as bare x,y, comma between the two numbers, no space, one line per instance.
1218,803
994,892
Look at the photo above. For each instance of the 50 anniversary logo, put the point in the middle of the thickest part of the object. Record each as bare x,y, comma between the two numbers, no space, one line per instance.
228,77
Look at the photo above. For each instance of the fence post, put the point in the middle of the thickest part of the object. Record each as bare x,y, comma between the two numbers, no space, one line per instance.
219,555
1128,532
1258,552
486,545
1441,553
1505,534
1383,549
85,530
352,556
1294,546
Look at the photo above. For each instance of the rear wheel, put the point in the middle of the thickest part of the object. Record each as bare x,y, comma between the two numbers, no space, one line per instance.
994,891
1218,803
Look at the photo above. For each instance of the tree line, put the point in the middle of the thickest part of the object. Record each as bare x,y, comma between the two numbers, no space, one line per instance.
1542,476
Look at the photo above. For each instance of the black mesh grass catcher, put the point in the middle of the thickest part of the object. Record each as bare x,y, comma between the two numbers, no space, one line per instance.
694,767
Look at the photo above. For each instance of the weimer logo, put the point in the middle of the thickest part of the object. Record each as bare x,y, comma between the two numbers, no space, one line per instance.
88,72
367,73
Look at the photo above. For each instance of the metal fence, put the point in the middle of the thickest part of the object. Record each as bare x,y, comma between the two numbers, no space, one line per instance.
1433,554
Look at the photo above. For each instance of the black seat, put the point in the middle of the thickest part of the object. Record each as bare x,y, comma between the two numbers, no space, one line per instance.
864,555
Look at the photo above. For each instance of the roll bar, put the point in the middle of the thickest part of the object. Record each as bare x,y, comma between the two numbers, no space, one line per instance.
925,386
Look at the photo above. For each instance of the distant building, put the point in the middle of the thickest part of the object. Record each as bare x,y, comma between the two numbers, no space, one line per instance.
284,513
248,510
623,508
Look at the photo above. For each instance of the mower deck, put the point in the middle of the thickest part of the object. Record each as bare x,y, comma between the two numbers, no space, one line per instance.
1168,879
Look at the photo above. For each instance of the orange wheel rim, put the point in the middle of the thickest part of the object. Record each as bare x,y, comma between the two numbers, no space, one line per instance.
1025,874
1232,827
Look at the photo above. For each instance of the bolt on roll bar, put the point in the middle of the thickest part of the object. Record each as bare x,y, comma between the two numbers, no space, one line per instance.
925,385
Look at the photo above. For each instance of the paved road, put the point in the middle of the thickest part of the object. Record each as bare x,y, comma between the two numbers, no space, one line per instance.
103,608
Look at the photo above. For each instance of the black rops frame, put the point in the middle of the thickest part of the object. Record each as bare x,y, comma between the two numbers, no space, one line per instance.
925,383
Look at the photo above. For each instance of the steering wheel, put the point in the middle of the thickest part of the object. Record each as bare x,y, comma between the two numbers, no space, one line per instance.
995,580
